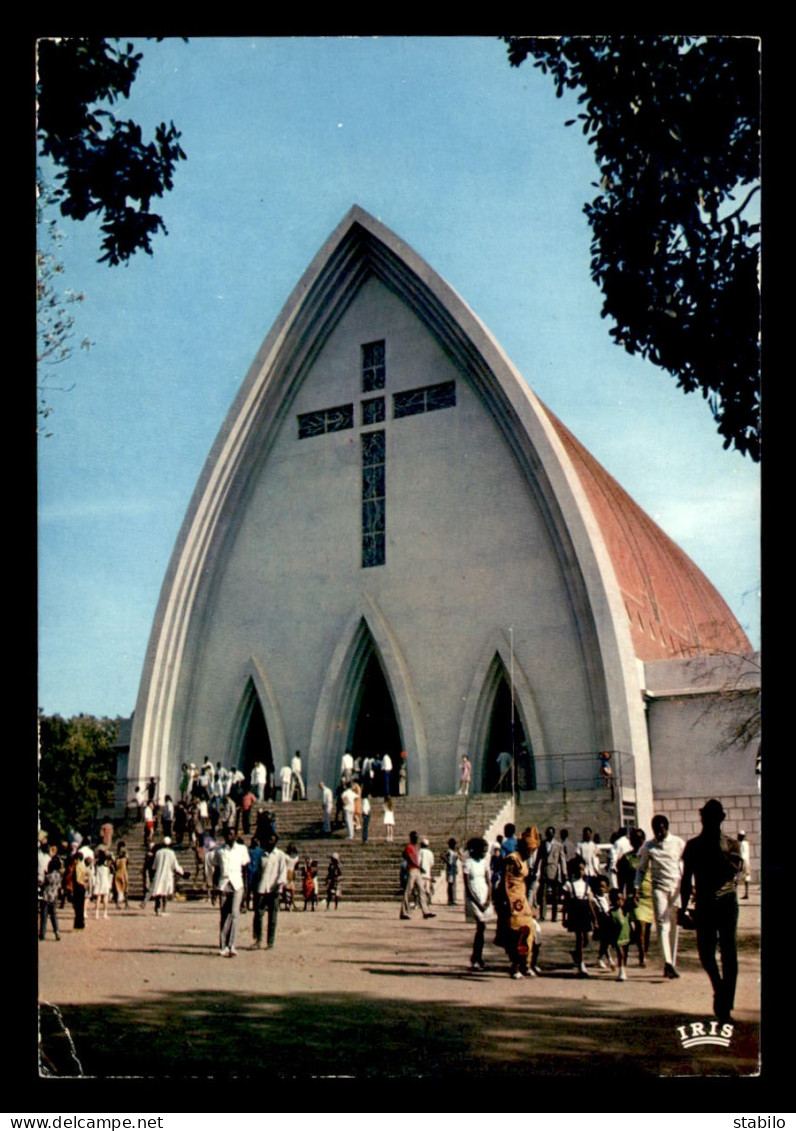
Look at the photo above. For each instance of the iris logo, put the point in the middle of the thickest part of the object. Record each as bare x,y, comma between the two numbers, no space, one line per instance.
705,1033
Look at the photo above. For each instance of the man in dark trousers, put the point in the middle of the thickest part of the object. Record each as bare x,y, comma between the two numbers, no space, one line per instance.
713,861
551,871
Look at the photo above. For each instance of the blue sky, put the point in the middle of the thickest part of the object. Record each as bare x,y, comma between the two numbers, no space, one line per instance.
468,160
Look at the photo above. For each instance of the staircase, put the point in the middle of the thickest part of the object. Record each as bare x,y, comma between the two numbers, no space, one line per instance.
370,871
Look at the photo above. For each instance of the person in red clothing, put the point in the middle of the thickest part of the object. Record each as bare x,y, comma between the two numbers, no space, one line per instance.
411,855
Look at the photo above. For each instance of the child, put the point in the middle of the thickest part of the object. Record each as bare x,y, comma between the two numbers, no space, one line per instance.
451,871
102,883
289,890
310,884
333,875
602,910
619,930
389,819
579,916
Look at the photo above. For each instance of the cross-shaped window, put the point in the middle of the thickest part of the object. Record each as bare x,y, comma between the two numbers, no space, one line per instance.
409,402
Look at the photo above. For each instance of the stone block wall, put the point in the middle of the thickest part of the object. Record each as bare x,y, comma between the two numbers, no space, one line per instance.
743,812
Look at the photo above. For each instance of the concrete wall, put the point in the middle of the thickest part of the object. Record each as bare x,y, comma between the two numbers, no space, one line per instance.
695,707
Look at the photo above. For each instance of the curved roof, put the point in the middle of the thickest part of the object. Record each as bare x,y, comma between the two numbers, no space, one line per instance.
672,608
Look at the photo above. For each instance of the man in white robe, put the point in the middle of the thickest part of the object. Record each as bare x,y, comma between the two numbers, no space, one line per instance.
166,867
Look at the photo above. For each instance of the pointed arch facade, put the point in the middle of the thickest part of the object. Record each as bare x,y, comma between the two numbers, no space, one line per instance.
257,690
495,664
569,529
366,634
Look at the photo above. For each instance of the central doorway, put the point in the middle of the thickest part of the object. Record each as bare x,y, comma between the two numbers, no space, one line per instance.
374,730
255,743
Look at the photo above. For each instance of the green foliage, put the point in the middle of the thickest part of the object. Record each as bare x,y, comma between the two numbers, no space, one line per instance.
107,167
54,304
77,768
674,121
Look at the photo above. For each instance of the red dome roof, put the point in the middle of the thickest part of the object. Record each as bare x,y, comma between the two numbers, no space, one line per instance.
672,608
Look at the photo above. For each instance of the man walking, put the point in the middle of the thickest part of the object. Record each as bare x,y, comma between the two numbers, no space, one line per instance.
663,855
166,867
714,862
411,855
269,884
230,860
259,780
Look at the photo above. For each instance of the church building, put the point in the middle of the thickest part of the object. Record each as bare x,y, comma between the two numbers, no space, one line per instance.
394,547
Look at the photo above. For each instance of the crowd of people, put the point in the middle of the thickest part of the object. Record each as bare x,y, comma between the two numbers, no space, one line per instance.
608,895
84,876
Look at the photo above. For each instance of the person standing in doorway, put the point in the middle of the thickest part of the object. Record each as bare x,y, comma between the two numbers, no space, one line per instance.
259,780
504,761
386,769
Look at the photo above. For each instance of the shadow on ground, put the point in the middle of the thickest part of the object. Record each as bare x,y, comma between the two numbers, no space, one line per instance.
220,1035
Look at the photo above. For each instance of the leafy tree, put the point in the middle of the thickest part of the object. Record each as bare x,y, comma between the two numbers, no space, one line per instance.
54,304
674,122
77,768
107,167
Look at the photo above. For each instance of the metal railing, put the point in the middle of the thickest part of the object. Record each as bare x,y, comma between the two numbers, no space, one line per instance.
575,771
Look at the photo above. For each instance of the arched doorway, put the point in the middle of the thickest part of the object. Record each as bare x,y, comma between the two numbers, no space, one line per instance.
255,744
374,729
506,734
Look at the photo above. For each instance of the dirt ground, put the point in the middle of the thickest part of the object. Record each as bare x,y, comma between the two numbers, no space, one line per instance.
357,993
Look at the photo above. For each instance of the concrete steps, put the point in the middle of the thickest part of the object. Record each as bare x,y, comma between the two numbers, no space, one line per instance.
370,871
